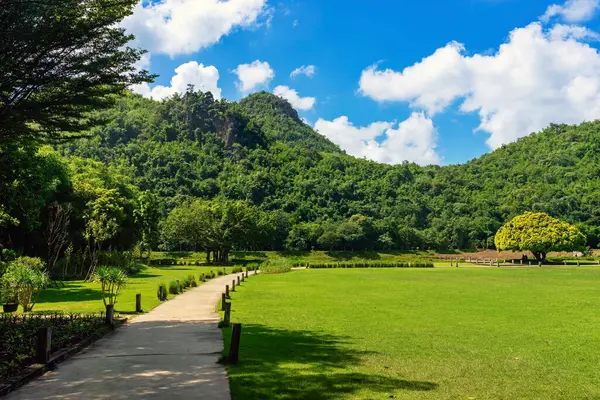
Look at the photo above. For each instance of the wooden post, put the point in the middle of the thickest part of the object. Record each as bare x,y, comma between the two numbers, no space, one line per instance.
224,271
227,315
529,262
234,349
243,278
138,302
203,277
247,270
565,262
238,280
497,263
521,261
540,264
178,286
233,285
223,302
578,263
451,263
110,311
44,343
160,293
227,290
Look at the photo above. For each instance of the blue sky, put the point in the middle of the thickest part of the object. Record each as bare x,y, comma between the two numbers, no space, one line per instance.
361,95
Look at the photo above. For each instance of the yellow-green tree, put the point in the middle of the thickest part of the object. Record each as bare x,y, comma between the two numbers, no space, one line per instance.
540,234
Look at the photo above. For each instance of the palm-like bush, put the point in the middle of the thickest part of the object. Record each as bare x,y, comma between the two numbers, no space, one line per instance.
25,277
112,280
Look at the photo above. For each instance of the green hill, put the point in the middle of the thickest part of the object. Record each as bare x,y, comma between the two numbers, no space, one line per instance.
260,151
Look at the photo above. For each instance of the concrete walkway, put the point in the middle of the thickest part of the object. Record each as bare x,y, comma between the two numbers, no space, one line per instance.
169,353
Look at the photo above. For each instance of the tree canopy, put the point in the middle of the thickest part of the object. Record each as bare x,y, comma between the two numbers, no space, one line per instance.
60,60
540,234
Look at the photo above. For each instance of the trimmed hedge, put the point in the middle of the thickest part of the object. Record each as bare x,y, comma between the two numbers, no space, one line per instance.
418,264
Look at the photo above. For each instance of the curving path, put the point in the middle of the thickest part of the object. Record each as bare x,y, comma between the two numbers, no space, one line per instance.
169,353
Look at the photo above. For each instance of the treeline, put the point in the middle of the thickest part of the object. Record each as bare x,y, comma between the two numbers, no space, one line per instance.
259,151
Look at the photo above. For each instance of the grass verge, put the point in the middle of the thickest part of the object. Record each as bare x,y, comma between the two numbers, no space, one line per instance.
527,333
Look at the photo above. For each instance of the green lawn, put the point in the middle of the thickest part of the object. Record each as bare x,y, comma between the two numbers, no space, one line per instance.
85,297
488,333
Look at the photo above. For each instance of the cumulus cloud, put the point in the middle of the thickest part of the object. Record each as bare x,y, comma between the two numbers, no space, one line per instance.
307,70
185,26
299,103
414,139
203,78
539,76
572,10
253,75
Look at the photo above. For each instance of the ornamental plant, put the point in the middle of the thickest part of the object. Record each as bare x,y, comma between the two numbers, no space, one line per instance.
25,276
112,280
540,234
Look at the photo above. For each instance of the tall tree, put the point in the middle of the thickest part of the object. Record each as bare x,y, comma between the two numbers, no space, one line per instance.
60,60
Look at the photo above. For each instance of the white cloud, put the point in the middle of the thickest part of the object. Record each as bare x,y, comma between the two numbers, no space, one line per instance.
253,75
185,26
415,139
308,70
299,103
572,10
203,78
538,77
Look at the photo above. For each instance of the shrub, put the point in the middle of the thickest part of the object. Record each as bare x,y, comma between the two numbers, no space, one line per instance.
236,270
278,266
19,333
174,287
164,291
25,277
112,280
212,275
220,273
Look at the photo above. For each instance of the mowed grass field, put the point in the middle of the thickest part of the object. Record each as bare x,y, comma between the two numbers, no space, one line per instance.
489,333
86,297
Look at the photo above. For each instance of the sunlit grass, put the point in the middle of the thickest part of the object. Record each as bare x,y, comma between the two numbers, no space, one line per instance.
85,297
487,333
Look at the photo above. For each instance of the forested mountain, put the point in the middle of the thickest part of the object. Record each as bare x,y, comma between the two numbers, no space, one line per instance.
259,151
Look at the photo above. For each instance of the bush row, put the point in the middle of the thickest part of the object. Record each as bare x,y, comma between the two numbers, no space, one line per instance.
19,333
417,264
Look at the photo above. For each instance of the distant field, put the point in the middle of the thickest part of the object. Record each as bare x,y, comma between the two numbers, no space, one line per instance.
308,256
488,333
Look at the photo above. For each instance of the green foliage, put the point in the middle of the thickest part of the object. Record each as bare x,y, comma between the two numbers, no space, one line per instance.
174,287
540,234
24,276
415,264
19,335
162,296
61,60
276,266
112,280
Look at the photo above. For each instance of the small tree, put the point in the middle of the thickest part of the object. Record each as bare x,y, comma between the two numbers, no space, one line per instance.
112,281
540,234
26,277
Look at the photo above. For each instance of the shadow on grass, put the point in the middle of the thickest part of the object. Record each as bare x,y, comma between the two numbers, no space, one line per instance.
71,292
283,364
142,275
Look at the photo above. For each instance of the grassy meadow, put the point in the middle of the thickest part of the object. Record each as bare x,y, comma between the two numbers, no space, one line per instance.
85,297
472,333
